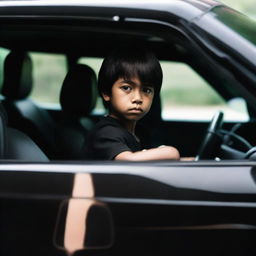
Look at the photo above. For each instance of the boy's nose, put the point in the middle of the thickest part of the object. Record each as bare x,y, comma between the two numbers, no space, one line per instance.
137,97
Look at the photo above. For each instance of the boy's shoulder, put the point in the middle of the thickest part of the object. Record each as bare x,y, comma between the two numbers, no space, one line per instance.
109,124
107,121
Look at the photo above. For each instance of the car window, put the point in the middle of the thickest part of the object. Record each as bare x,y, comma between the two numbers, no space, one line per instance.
186,96
3,53
49,71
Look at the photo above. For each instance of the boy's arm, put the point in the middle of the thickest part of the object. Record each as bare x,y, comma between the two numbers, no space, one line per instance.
160,153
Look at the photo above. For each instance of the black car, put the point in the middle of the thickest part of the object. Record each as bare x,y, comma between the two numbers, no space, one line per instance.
55,203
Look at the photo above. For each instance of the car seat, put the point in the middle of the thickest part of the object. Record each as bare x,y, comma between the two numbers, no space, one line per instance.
15,145
77,99
23,113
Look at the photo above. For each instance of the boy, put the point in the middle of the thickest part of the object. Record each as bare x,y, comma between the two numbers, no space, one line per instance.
128,80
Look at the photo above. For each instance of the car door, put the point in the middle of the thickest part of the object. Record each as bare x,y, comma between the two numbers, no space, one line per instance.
152,208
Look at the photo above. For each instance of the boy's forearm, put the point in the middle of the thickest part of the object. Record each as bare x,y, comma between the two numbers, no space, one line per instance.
160,153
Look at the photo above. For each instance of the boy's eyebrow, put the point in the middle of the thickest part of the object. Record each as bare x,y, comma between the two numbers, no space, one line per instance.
127,81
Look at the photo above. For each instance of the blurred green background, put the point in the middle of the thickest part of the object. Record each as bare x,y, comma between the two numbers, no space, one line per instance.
247,7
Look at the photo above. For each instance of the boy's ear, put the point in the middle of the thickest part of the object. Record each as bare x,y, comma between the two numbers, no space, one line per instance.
106,97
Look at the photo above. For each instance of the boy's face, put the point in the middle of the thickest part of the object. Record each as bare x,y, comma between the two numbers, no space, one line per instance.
130,100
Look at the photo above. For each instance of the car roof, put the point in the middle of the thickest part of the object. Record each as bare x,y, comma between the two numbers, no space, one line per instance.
143,4
101,11
187,9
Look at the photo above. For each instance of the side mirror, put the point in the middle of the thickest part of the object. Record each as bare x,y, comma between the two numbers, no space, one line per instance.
83,224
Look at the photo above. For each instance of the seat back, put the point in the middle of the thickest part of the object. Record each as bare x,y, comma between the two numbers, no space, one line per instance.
23,113
15,145
77,98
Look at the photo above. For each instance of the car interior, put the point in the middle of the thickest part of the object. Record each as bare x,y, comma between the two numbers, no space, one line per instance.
60,132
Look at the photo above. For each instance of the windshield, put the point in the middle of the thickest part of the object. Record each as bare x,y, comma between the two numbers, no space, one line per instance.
238,22
235,31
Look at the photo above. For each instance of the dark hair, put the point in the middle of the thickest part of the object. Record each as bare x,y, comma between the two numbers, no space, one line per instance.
129,62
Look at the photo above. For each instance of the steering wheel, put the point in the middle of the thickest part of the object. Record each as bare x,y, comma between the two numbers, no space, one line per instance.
212,140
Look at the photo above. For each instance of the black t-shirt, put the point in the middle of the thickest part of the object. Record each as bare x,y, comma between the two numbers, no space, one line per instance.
108,139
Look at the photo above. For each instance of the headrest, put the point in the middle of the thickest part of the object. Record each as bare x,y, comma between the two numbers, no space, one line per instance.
78,92
18,79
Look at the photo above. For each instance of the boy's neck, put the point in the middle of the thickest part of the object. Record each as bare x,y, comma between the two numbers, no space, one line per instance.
127,124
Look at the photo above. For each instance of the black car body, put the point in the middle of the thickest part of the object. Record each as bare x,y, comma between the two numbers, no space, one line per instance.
146,208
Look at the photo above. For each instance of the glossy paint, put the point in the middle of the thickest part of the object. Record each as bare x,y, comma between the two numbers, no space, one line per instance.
148,199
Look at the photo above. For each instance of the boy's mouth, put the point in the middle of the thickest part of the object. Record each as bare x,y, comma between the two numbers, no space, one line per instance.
135,110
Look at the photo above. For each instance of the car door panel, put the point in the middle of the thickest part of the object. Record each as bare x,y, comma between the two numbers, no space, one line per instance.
155,207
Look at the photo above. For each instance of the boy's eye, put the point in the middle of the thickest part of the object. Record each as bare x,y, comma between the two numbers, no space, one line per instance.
148,90
126,88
